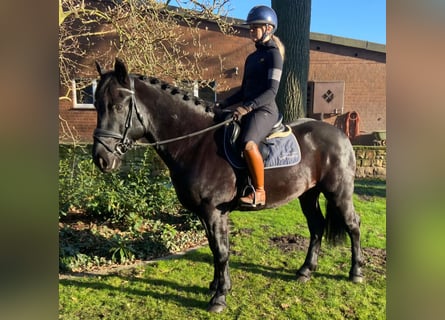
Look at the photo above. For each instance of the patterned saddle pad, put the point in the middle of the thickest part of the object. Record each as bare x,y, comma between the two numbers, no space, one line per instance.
280,149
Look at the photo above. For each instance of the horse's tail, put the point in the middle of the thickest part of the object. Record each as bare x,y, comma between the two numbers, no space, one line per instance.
335,230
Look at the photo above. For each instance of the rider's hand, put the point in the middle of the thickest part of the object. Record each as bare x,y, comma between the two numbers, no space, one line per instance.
240,112
220,111
220,104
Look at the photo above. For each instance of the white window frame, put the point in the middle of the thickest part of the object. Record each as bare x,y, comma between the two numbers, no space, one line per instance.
80,105
193,86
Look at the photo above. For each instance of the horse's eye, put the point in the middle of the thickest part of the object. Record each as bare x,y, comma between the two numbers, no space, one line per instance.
118,107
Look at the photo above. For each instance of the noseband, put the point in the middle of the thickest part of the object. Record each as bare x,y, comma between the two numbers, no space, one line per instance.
125,143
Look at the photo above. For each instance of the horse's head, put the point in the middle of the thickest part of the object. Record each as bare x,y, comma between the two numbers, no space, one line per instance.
119,123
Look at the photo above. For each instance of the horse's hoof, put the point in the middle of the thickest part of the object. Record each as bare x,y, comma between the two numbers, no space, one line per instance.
356,279
217,304
216,308
303,275
302,278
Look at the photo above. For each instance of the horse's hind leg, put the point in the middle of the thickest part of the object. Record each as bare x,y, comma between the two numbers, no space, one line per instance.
341,216
315,220
352,221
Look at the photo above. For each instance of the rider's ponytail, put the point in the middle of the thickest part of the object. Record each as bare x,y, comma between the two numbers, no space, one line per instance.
280,45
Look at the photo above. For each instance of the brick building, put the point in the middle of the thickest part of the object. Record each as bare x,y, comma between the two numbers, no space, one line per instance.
353,71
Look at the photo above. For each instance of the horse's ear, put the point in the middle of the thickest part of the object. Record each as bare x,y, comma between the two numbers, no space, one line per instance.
99,68
120,71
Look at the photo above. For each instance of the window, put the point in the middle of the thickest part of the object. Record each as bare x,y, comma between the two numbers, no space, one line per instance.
204,91
190,86
208,92
83,93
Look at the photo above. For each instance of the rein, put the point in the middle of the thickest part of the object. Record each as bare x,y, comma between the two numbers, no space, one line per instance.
157,143
126,144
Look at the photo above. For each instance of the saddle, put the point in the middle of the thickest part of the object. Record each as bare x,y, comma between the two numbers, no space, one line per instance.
279,149
235,130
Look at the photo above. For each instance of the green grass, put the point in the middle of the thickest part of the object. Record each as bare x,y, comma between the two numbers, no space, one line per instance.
263,275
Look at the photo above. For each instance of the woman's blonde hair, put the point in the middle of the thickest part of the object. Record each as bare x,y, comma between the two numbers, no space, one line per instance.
280,45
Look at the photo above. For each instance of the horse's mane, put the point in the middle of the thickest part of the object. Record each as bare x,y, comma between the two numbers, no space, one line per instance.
185,95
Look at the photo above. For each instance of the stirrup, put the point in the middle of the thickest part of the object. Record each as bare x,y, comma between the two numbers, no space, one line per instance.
252,200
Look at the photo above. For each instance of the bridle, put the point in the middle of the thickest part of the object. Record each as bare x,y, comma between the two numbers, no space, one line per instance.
126,144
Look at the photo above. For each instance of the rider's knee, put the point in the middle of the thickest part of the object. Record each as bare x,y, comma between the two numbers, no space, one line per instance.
249,145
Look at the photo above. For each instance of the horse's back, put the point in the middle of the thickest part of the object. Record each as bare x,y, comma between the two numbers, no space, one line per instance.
328,148
323,135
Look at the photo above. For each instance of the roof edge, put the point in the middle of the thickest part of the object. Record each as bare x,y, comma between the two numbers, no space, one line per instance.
362,44
348,42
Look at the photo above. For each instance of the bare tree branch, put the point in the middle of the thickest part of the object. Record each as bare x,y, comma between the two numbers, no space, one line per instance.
152,37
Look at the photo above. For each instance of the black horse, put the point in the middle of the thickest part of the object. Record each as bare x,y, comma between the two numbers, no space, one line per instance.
130,107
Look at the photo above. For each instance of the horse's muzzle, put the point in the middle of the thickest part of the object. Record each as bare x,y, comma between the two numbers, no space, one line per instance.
105,160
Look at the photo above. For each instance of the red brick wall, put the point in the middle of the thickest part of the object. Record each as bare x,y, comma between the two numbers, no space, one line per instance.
81,123
363,71
225,52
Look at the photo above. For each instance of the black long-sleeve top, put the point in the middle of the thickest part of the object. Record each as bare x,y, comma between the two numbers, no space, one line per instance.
262,74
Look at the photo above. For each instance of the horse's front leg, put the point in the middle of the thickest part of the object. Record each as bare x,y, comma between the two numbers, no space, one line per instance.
217,233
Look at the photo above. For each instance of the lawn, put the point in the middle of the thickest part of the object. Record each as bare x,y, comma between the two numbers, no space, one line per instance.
267,247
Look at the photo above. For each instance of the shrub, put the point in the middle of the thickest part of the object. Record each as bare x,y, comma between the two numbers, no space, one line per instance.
142,188
139,199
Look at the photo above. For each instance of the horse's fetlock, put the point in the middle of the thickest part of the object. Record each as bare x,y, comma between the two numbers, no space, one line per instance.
304,271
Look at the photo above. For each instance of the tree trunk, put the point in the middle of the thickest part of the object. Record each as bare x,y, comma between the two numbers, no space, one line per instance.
293,29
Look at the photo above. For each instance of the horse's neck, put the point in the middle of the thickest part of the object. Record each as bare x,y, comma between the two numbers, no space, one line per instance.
174,114
173,111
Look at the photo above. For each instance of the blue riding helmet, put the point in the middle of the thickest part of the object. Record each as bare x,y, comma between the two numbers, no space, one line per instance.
262,15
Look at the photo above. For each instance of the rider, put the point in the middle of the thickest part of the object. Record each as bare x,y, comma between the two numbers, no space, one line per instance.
262,74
